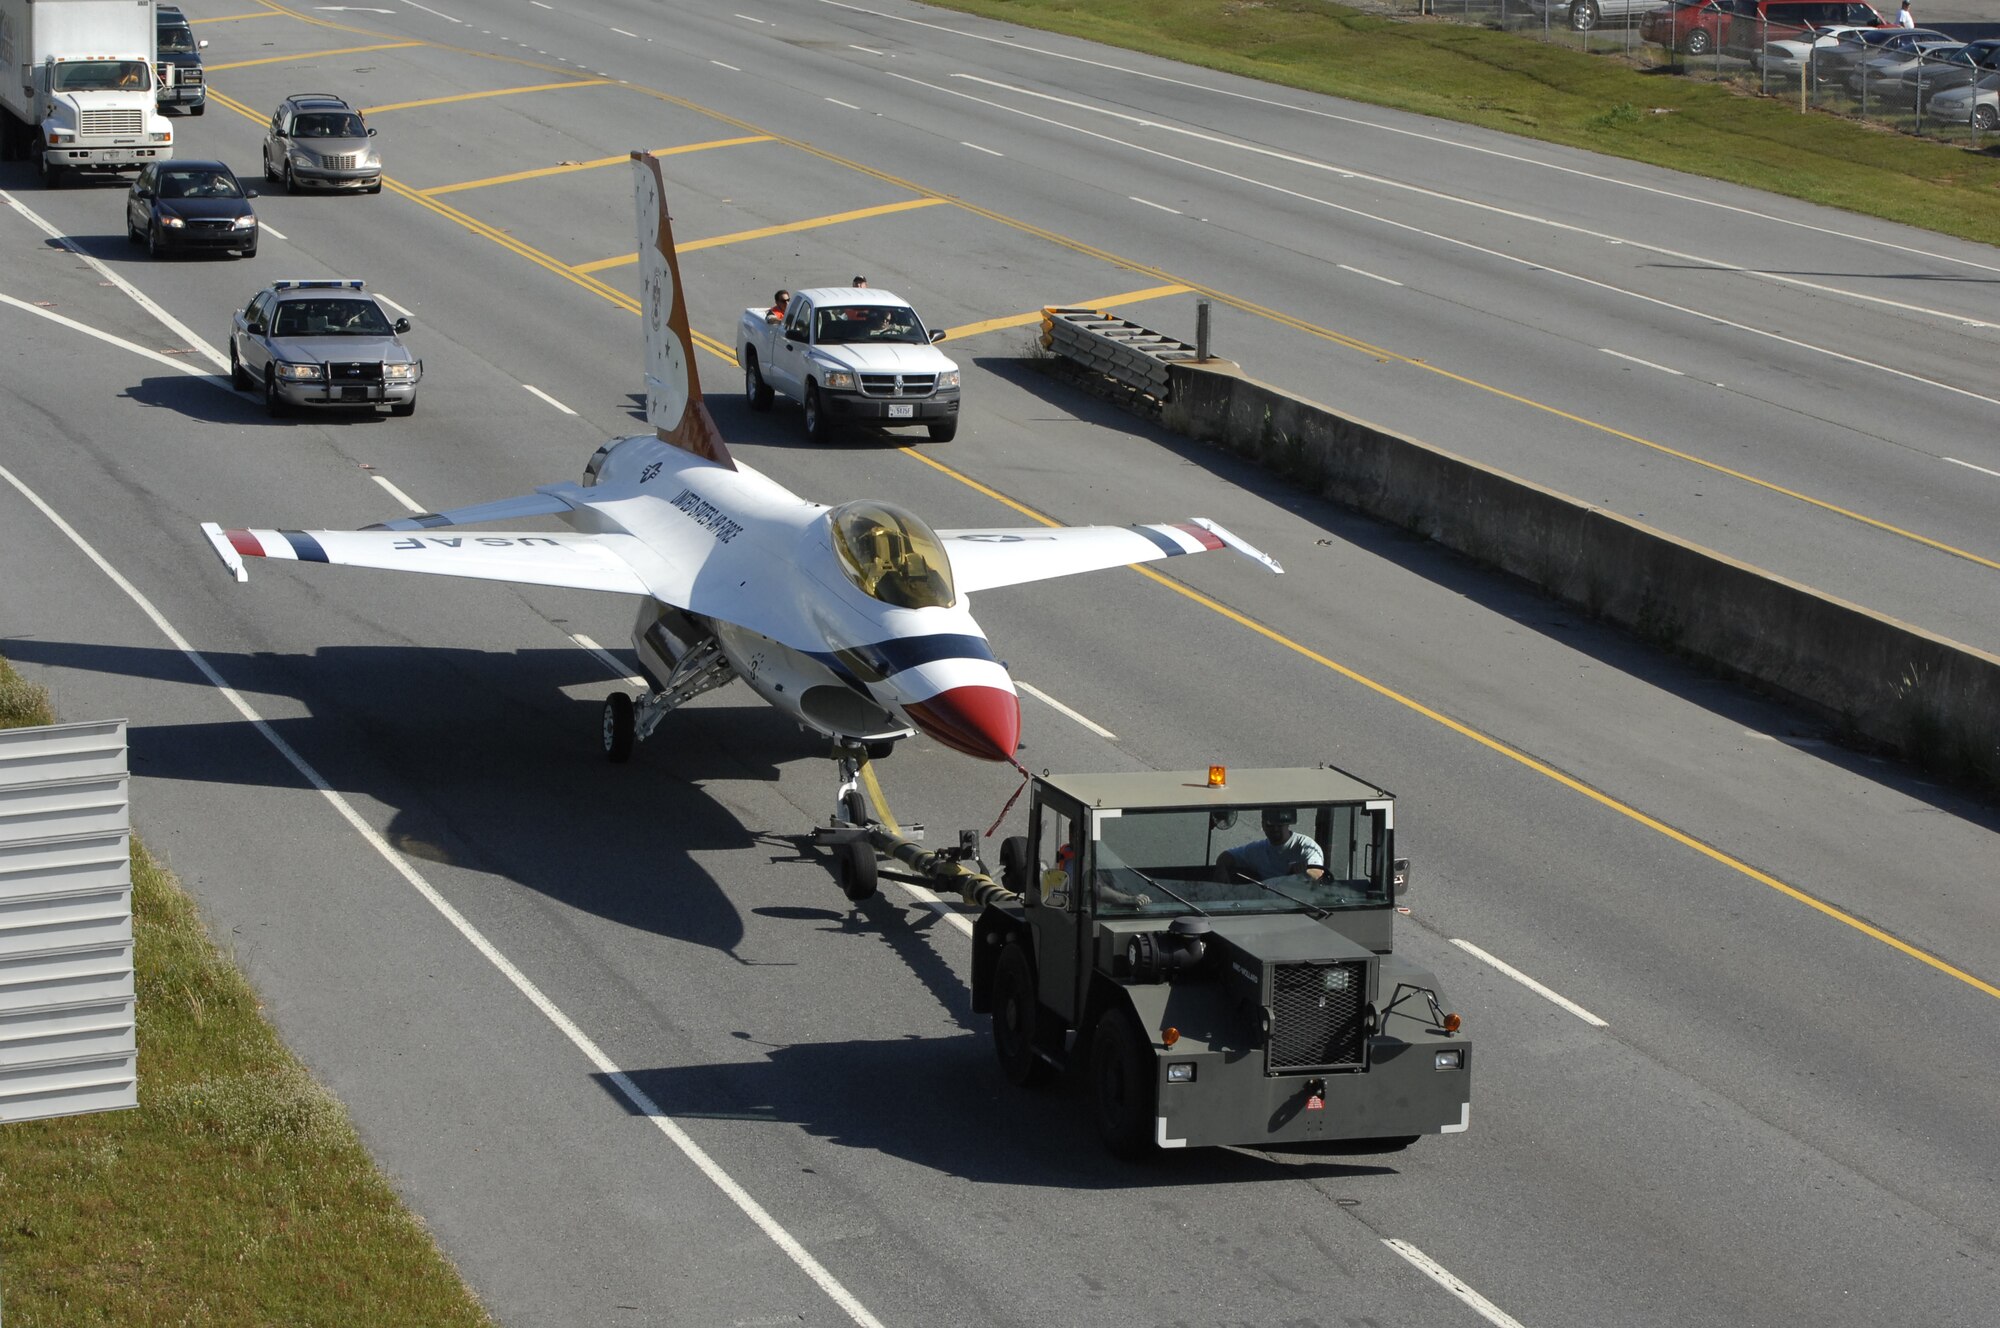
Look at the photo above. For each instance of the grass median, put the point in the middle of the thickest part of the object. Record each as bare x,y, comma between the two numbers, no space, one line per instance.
1501,81
238,1192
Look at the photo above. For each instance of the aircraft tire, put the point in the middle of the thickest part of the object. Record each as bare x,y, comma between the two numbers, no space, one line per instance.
1017,1019
854,807
620,730
857,869
1122,1093
1014,863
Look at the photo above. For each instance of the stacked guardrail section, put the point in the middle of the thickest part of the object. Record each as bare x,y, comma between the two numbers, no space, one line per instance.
1123,351
68,1036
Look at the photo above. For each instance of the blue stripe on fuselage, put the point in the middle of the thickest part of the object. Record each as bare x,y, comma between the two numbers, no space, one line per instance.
882,659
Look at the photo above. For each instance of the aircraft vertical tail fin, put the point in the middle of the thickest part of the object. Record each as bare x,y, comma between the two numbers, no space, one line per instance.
673,389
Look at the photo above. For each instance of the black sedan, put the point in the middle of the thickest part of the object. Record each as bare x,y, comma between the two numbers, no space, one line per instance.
177,206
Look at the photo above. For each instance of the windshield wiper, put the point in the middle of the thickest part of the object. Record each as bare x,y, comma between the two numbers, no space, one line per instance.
1157,886
1306,904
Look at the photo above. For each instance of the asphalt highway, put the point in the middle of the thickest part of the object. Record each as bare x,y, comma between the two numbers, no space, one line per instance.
614,1033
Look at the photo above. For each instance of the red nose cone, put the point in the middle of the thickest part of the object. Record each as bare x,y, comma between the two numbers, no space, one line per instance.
980,721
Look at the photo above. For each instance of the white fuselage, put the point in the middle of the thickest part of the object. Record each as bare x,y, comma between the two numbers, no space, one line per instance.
755,568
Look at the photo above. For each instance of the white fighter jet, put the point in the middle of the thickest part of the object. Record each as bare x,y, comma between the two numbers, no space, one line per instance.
852,619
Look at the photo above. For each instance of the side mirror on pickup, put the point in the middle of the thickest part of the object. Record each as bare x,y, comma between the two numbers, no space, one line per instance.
937,335
402,325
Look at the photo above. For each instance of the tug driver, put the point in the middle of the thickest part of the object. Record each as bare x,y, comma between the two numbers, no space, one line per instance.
1281,852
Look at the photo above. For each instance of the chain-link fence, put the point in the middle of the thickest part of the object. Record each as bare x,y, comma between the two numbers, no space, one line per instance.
1920,81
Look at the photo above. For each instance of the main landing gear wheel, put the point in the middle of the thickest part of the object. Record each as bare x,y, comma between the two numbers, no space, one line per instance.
858,871
1121,1083
620,729
1017,1016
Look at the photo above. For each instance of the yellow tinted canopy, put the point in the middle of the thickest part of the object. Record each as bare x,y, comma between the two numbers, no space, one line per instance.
892,555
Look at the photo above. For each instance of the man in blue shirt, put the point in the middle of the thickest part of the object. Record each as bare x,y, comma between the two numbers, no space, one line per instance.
1281,852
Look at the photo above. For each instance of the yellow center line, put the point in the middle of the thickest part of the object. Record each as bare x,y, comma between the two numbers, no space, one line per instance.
1036,316
570,167
1495,745
232,18
766,232
303,56
490,92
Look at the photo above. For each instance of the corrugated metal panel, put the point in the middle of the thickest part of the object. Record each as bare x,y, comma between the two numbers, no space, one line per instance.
68,1030
62,751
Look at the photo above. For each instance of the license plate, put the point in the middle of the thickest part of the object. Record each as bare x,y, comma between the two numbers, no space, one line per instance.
902,412
353,394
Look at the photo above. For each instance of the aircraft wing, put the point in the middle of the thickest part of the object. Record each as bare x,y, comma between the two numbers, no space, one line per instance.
599,561
983,559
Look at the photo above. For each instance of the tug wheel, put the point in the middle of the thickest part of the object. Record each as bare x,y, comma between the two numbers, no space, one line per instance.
1017,1016
1121,1083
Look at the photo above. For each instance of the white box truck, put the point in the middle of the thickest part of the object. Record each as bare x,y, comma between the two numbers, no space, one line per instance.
78,86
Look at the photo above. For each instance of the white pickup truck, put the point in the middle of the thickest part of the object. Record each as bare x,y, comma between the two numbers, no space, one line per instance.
850,353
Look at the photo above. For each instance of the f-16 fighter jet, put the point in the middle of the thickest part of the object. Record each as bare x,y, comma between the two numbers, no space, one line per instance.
852,619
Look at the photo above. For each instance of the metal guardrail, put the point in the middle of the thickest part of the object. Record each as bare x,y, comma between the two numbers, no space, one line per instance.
1115,347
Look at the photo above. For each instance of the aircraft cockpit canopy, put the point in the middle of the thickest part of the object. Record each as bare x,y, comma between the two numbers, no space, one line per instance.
892,555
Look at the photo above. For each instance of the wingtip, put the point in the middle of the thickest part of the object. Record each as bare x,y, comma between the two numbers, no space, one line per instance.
1242,546
218,540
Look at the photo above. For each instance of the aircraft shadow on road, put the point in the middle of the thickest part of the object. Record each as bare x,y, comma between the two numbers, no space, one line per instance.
488,766
942,1104
1507,597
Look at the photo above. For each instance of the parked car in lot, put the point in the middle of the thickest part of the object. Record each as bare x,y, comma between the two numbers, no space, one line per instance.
320,344
1753,24
188,206
1788,57
1839,59
1583,15
1976,104
1692,27
1880,77
315,140
1953,69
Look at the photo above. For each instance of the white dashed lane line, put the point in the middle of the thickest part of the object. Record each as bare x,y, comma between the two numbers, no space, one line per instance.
1387,281
546,397
1619,354
1545,993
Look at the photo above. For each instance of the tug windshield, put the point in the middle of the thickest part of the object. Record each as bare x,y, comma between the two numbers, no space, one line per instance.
892,555
1308,858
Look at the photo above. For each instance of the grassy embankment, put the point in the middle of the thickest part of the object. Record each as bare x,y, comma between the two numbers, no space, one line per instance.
237,1195
1500,81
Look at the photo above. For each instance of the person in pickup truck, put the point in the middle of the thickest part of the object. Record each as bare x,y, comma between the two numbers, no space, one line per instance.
861,281
776,313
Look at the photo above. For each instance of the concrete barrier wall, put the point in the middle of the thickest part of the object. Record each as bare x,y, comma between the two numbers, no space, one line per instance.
1928,699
